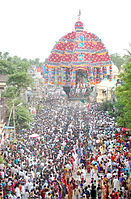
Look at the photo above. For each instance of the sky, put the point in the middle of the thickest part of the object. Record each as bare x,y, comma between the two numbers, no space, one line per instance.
30,28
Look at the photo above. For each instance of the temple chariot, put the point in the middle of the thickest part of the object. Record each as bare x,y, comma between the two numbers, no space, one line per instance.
78,62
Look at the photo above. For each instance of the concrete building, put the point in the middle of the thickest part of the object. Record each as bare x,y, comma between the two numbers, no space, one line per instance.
105,89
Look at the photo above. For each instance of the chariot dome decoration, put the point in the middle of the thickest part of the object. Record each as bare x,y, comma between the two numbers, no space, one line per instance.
78,51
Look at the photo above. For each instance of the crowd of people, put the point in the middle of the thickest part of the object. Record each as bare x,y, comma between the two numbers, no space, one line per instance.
81,153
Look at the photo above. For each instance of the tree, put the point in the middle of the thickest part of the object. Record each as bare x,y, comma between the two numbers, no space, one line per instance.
11,65
10,93
106,106
127,57
37,62
128,51
20,80
22,117
16,83
117,60
123,94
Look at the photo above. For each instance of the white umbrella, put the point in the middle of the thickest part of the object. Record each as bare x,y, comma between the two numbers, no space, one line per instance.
35,135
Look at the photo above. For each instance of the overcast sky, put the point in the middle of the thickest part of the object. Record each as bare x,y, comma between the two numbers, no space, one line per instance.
30,28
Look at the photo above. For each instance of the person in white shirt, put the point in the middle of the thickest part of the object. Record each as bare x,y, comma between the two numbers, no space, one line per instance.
29,185
15,197
23,192
2,174
26,194
92,173
109,175
116,184
17,191
10,196
21,173
26,178
84,174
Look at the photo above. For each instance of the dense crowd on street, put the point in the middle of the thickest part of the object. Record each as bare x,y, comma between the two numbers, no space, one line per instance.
81,153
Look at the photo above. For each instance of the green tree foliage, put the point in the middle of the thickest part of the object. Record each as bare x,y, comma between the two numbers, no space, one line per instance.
20,80
10,93
127,57
37,62
128,50
22,117
123,93
117,60
106,106
11,65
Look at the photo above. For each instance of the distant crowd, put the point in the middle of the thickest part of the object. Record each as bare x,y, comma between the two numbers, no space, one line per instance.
81,153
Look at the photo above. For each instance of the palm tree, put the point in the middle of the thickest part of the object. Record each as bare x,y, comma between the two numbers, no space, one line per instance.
5,55
127,57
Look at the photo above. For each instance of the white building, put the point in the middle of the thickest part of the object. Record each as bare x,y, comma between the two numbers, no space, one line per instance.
106,88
